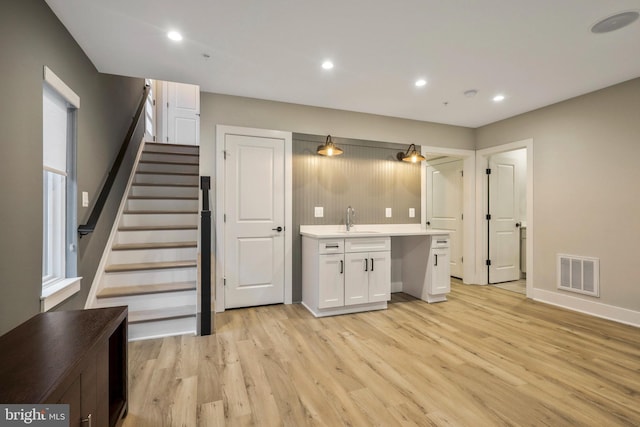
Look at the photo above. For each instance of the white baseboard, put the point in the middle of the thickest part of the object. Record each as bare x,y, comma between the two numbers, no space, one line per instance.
598,309
396,287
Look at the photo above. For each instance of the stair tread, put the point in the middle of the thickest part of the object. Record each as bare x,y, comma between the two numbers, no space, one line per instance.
132,290
157,245
170,153
113,268
158,227
166,144
159,212
166,173
160,162
162,314
153,184
161,198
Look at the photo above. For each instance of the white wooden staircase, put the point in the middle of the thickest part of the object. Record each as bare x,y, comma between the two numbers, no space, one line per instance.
151,265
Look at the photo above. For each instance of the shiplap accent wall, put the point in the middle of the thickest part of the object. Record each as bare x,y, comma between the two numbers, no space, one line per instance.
367,176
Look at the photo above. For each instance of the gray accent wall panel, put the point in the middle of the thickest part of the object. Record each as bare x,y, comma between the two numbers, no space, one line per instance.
367,177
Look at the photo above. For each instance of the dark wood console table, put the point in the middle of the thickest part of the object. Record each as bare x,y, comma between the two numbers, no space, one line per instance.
74,357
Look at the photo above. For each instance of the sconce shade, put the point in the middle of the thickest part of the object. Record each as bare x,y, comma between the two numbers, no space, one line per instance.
329,148
411,155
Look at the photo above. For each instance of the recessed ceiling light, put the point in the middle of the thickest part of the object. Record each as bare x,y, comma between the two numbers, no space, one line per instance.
174,35
498,98
327,65
614,22
420,82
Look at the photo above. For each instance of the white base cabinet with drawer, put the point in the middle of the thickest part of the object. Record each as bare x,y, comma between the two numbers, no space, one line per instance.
341,276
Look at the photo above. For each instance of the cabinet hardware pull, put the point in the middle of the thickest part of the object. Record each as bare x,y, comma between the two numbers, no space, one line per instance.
436,260
87,420
371,264
366,264
441,241
331,246
341,266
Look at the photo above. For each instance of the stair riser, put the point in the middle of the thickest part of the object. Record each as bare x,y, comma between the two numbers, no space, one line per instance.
188,149
152,255
156,236
161,204
136,220
143,178
141,277
164,328
151,301
141,190
159,168
154,157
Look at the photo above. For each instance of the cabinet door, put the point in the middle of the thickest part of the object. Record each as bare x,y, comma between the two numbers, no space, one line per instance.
441,278
356,279
331,281
379,276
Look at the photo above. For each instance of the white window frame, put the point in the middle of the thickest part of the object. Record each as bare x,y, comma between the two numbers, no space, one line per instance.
59,245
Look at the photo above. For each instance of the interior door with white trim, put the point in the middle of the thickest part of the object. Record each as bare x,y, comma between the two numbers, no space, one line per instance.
183,114
254,227
445,205
504,232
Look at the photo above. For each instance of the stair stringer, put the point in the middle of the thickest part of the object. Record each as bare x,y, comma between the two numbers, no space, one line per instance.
97,278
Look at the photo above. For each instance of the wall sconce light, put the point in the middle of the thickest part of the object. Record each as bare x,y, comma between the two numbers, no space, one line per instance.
411,155
329,148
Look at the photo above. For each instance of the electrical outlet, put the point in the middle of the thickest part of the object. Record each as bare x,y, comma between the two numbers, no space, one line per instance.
412,212
319,211
388,212
85,199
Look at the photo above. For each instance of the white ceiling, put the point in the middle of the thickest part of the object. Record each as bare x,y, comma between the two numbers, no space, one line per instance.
535,52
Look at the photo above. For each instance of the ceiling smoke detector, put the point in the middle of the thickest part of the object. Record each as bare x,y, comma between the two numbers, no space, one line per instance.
470,93
615,22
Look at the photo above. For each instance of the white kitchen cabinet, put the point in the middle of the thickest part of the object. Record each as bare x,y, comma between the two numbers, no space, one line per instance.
342,276
331,281
439,268
367,277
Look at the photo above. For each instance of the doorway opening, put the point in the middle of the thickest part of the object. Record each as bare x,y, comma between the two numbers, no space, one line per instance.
448,188
505,219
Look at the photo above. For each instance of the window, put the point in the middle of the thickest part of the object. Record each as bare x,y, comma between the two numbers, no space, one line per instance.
59,241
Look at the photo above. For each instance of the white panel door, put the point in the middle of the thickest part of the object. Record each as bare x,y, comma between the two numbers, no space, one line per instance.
254,209
445,205
379,276
356,278
183,114
504,235
331,281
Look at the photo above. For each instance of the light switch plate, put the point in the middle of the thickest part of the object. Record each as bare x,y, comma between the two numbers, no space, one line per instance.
412,212
318,211
388,212
85,199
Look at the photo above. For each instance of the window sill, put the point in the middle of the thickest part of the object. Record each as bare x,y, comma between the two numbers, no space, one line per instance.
61,291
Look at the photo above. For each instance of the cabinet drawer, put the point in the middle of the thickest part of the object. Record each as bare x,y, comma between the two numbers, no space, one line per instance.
367,244
331,246
439,241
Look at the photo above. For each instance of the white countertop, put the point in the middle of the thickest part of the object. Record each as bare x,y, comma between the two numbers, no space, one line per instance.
368,230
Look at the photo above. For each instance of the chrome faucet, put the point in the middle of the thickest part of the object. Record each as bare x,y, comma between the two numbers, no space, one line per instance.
350,214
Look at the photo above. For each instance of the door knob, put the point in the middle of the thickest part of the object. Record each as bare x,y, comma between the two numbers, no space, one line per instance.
278,229
518,224
428,223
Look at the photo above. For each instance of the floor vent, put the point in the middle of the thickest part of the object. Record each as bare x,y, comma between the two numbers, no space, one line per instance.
579,274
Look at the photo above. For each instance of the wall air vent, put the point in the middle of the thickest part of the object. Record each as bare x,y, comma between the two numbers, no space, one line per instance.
579,274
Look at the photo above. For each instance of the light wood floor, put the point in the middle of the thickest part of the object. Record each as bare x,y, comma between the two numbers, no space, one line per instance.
486,357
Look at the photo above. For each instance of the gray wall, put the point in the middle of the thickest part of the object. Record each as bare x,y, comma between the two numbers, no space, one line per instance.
586,200
367,177
30,38
373,132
